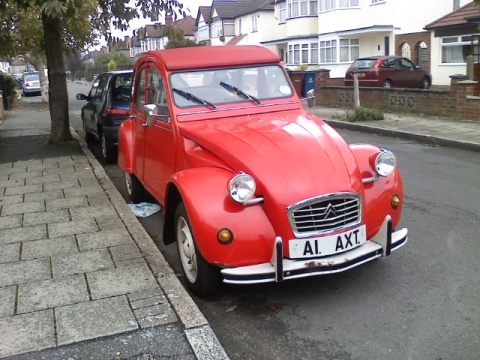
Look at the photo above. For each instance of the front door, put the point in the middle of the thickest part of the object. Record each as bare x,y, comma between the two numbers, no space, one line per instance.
159,148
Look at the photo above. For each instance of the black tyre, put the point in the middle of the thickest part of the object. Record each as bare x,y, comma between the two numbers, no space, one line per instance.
425,83
202,278
136,191
89,138
387,84
109,151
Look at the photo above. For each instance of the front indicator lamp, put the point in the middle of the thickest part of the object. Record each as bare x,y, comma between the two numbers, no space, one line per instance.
225,236
395,201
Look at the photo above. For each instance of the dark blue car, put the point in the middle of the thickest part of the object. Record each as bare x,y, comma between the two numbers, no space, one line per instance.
106,106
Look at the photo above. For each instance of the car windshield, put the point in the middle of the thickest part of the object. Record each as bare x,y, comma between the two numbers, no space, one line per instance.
364,63
229,85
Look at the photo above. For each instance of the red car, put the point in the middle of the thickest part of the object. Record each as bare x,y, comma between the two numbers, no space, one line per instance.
254,188
388,72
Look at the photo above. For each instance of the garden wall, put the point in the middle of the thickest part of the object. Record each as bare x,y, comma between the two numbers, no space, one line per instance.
458,102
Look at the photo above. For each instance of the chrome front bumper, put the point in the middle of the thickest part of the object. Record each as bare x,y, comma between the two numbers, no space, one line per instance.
279,268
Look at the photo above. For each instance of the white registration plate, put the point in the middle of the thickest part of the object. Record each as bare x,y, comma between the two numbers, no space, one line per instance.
327,245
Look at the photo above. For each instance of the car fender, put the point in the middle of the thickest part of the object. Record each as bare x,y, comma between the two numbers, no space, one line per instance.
378,193
210,209
126,145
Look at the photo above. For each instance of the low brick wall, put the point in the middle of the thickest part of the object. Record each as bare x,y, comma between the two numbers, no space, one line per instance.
457,102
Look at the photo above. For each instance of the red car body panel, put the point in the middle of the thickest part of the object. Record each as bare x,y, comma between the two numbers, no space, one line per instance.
291,154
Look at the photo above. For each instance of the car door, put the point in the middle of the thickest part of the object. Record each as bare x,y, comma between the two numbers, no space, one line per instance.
138,115
159,145
93,103
411,74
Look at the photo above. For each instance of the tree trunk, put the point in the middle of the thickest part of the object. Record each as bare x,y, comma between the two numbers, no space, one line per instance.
39,65
58,95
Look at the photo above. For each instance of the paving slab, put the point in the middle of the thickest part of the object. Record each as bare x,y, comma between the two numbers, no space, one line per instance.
28,233
20,272
10,252
103,239
27,332
49,294
82,262
7,301
72,227
121,280
49,247
94,319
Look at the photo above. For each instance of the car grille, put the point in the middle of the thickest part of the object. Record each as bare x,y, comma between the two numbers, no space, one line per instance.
325,214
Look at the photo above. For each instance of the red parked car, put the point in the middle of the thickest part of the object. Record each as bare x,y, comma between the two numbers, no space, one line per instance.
254,188
387,72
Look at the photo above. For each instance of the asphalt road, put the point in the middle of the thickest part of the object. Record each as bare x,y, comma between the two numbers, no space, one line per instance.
423,302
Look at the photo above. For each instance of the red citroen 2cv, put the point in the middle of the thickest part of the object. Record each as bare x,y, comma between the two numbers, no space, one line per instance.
254,188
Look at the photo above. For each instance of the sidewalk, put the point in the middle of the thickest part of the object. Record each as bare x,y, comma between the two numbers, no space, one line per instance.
79,276
462,134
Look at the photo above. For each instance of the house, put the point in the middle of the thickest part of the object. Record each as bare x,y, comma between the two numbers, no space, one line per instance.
4,66
238,22
154,36
354,28
454,37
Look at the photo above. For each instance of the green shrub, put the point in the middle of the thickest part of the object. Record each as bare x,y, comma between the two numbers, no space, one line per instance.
365,114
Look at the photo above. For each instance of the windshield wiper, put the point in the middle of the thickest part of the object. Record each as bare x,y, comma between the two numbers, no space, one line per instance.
239,92
193,98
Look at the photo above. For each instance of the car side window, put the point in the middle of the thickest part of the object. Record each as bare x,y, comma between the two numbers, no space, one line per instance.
140,89
97,97
406,64
156,92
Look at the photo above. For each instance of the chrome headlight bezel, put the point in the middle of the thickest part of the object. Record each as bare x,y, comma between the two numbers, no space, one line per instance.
241,188
385,163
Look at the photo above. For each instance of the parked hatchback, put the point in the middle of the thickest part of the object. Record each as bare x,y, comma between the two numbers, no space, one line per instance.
387,72
106,106
31,84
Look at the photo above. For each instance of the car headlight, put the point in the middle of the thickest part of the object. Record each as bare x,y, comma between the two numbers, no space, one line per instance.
385,163
242,188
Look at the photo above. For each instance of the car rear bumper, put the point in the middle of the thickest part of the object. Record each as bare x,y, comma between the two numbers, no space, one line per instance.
31,90
279,268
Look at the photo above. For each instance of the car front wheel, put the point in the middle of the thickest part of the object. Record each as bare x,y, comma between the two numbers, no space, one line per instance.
387,84
202,278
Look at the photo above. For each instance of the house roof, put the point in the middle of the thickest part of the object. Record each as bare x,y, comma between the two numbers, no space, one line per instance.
235,40
230,9
466,15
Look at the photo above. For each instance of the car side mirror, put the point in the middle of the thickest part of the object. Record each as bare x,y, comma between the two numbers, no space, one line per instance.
151,111
311,98
81,97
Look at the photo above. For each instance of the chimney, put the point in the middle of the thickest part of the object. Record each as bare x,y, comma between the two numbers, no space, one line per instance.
168,17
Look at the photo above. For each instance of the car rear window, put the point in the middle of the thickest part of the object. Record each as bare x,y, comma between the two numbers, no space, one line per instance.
31,78
364,63
122,88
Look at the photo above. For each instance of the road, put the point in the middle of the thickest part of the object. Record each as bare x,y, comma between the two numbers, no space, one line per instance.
423,302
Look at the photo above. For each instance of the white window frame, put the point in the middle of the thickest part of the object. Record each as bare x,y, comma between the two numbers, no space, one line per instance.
352,47
282,16
462,43
254,23
342,4
303,53
328,51
300,8
326,5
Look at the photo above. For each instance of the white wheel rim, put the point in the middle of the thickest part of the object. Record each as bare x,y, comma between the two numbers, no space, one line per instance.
128,183
186,249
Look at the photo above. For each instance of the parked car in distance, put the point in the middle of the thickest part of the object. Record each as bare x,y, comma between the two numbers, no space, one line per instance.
253,187
388,72
105,107
31,84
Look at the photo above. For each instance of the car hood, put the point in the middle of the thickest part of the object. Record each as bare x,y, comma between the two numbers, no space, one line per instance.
292,157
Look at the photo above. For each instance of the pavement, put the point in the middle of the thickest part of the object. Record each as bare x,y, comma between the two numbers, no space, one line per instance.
79,276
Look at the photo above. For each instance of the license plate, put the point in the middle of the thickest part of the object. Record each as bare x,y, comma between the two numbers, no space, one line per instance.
327,245
361,74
